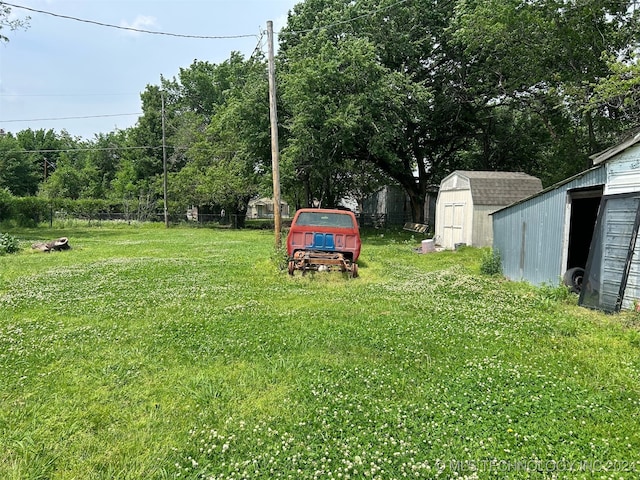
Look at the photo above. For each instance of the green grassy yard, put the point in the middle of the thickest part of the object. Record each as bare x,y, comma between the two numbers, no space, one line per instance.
146,353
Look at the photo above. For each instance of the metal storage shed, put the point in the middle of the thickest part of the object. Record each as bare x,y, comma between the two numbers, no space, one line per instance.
390,205
534,236
467,198
590,220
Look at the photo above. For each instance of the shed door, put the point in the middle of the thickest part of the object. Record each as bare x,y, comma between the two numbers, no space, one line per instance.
453,224
611,254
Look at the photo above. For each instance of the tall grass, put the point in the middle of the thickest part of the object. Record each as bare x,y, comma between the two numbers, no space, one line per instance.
153,353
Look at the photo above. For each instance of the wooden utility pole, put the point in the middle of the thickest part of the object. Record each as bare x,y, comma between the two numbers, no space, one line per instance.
275,152
164,166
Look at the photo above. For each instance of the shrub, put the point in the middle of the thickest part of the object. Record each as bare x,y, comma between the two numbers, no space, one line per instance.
491,263
88,208
557,293
8,244
6,204
32,210
280,258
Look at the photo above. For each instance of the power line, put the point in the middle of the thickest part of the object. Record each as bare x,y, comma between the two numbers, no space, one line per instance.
84,149
259,45
106,149
70,118
131,29
66,94
210,37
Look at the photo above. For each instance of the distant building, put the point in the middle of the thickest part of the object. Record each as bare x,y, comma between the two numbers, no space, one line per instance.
390,206
204,214
263,208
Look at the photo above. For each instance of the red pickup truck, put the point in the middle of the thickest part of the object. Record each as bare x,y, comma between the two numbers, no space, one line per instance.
323,239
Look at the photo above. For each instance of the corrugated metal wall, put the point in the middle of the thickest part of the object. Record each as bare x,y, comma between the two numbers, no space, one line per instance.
630,182
613,258
530,235
607,266
623,172
632,292
394,204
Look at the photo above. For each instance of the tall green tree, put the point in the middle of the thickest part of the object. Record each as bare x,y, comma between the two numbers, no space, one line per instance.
393,86
101,161
224,118
43,149
494,84
619,93
66,181
331,94
18,173
147,136
123,186
539,61
204,87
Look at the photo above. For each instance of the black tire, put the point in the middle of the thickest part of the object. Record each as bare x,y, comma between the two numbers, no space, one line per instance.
573,279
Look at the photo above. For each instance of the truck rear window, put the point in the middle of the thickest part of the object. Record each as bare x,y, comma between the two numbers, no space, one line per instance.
317,219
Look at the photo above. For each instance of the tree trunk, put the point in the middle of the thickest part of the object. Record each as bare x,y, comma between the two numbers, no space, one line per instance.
59,244
417,206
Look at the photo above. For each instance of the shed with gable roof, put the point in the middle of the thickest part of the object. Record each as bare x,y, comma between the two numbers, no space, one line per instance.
467,199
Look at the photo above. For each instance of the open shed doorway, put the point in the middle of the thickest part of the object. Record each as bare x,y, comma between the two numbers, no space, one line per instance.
583,206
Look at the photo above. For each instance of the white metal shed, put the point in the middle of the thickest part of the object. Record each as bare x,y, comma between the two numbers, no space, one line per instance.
467,198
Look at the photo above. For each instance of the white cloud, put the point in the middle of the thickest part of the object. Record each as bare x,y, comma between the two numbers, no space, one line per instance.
141,22
280,22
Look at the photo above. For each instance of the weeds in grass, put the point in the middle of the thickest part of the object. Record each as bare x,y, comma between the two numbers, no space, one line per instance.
8,244
557,293
280,258
153,353
491,263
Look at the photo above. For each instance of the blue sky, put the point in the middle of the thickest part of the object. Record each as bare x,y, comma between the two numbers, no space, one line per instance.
60,68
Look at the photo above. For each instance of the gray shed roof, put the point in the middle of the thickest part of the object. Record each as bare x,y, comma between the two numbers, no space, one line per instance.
629,141
500,188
